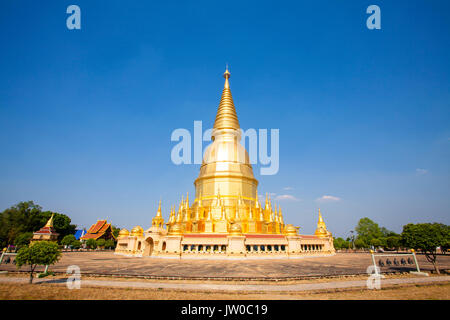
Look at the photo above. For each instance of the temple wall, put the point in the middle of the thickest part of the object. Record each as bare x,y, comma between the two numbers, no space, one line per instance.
223,247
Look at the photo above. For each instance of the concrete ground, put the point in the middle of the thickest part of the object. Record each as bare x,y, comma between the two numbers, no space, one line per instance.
340,264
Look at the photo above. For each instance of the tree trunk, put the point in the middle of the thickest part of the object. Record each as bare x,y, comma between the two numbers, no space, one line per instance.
436,267
31,274
431,257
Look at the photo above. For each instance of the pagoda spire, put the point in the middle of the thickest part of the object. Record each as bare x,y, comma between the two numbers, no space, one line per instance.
320,217
187,202
158,213
226,117
49,223
280,215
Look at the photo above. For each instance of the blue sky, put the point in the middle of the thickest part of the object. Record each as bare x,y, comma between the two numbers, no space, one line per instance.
364,115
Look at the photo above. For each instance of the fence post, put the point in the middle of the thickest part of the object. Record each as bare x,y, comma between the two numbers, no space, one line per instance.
374,263
415,260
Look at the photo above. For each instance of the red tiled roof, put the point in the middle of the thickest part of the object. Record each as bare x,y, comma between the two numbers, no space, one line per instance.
46,230
98,229
92,236
96,226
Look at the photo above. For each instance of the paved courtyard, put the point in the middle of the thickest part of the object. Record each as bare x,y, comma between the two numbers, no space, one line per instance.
339,264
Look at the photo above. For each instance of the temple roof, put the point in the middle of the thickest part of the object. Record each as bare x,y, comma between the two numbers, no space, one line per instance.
97,230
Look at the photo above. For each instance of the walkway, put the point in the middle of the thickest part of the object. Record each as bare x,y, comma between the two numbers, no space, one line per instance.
235,287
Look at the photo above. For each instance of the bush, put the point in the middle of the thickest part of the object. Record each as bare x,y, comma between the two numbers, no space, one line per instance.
91,243
340,243
23,239
68,240
76,244
101,242
110,244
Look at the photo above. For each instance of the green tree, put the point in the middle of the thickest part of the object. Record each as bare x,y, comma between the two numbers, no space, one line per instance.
340,243
360,243
39,253
91,243
20,218
426,237
376,242
29,217
367,230
115,231
23,239
394,242
110,244
68,240
76,244
101,242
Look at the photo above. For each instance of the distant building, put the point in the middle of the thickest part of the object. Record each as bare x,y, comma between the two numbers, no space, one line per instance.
99,230
46,233
79,233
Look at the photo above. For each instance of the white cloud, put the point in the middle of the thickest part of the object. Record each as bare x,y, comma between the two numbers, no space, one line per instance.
288,188
328,198
286,197
420,171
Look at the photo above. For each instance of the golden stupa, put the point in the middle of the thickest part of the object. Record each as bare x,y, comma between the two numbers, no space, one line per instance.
226,217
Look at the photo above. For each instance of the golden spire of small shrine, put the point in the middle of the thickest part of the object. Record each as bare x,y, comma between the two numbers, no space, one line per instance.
49,223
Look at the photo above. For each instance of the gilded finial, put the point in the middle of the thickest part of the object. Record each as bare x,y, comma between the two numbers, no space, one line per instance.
158,213
226,117
49,223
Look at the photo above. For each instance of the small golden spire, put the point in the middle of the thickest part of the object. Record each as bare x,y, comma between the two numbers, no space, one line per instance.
266,207
321,230
280,215
261,215
320,217
49,223
158,213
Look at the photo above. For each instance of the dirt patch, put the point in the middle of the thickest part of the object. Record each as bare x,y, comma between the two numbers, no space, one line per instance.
58,292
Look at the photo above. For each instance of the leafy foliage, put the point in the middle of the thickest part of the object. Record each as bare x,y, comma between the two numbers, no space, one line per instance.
426,237
110,244
28,217
68,240
101,242
340,243
76,244
115,231
39,253
23,239
91,243
367,230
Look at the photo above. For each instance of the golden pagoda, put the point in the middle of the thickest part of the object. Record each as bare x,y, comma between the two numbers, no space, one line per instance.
46,233
321,230
225,218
